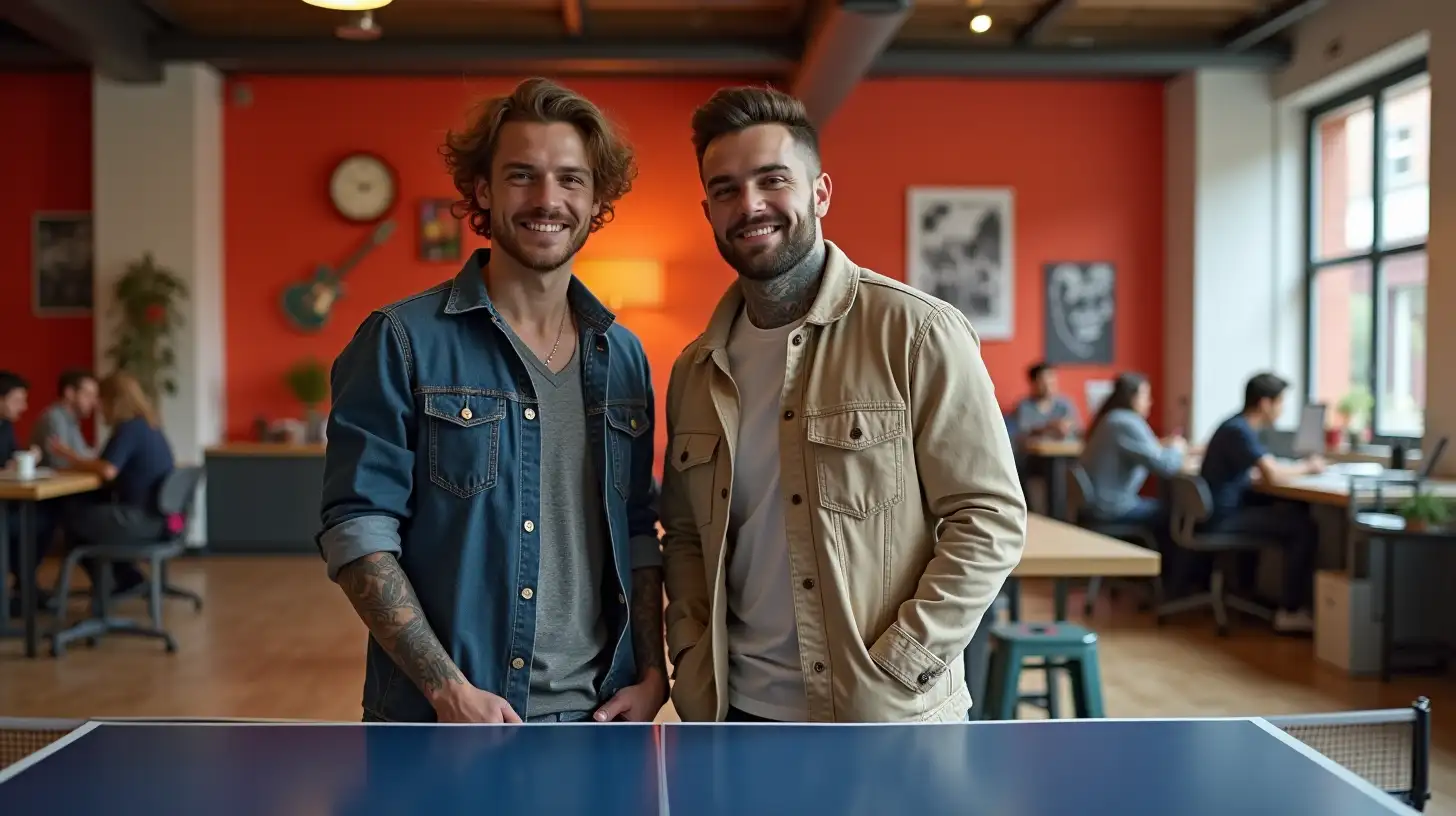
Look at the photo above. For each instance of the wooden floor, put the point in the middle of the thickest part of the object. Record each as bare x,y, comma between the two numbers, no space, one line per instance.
277,639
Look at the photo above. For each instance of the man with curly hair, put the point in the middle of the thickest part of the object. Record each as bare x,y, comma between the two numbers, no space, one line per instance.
488,501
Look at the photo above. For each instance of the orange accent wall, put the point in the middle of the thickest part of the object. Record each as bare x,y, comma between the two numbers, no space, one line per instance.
1086,159
45,166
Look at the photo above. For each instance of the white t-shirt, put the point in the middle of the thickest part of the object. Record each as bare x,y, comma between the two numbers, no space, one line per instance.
764,674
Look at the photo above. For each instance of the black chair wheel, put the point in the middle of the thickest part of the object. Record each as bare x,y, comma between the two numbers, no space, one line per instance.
171,646
91,642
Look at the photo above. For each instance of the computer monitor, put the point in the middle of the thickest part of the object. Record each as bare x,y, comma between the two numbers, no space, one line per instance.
1309,437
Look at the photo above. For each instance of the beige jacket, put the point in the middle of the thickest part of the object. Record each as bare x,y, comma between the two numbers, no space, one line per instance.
891,428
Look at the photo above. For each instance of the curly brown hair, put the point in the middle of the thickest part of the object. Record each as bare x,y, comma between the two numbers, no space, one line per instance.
469,153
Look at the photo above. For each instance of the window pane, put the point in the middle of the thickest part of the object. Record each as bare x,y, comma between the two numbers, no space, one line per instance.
1340,318
1406,162
1403,345
1341,208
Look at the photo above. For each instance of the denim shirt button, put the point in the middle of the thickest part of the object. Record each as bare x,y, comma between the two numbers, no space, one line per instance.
530,413
527,593
529,525
518,663
465,413
621,598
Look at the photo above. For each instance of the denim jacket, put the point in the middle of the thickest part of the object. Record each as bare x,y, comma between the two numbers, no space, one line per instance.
433,455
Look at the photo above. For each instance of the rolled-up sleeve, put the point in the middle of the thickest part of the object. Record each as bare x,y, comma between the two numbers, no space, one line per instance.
369,466
642,501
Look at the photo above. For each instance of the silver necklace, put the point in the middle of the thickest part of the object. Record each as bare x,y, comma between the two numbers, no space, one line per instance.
559,331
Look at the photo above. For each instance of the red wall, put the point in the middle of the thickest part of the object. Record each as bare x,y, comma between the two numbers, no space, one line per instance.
46,165
1085,159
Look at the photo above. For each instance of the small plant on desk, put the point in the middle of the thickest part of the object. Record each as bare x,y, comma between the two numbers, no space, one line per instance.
1425,511
309,382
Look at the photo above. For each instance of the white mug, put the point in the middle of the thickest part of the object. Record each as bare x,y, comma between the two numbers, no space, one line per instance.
25,462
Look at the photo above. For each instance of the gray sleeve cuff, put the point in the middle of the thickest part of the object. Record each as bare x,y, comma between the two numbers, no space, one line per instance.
356,538
646,551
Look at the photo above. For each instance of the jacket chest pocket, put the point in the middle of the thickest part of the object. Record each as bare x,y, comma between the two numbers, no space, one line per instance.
627,423
465,434
694,456
859,458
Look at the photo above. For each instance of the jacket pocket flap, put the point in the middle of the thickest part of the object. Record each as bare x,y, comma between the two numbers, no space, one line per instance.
692,449
629,419
465,410
855,428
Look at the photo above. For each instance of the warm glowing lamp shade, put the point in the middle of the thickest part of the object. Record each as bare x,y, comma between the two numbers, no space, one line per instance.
349,5
623,283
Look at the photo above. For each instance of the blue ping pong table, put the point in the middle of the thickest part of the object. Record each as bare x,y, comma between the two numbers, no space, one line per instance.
1027,768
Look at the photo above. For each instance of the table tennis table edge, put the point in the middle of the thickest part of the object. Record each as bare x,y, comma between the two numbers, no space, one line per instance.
659,728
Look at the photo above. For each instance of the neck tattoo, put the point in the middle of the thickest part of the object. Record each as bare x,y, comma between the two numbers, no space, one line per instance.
786,298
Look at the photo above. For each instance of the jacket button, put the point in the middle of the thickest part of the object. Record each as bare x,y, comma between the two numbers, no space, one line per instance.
632,423
465,413
621,599
798,339
796,499
855,433
723,493
530,413
684,457
518,663
818,667
527,593
808,583
788,415
923,678
529,525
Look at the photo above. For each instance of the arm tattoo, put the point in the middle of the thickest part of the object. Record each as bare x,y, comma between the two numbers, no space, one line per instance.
647,640
382,595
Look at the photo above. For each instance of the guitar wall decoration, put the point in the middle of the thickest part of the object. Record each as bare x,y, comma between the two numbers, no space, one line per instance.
309,305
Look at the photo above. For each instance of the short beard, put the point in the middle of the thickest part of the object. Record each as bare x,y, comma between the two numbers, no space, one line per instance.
503,237
796,246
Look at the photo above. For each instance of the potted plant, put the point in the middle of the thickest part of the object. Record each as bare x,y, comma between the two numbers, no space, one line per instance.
1425,511
147,306
308,379
1354,412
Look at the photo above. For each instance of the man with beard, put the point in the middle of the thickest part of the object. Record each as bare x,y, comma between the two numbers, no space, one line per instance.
840,504
488,501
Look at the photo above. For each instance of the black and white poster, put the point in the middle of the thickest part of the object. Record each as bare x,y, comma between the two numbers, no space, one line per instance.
1080,308
959,249
62,263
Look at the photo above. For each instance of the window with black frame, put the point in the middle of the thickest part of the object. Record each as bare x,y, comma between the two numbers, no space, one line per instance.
1367,212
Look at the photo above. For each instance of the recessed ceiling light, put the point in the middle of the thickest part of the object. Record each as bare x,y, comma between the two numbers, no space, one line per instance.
349,5
981,23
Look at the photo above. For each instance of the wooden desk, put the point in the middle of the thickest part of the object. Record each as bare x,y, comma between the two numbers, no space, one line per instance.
1055,448
1333,490
1055,549
26,494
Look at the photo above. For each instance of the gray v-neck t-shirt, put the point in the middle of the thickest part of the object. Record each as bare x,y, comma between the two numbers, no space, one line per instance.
570,654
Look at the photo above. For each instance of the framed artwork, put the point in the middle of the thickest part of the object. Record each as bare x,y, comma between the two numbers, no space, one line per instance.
439,230
62,267
1080,309
959,246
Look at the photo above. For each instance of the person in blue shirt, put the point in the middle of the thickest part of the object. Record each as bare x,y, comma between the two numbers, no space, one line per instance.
135,462
1234,458
14,400
1044,413
1121,450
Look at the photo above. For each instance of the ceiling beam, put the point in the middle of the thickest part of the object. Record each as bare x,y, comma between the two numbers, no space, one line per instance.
843,45
571,16
1275,21
1045,17
1083,63
434,56
111,36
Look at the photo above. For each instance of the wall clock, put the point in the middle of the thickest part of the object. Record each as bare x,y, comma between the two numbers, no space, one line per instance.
362,187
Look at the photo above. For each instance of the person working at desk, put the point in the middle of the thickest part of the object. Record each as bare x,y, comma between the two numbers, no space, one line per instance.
77,392
837,434
1120,451
135,462
1045,413
1233,456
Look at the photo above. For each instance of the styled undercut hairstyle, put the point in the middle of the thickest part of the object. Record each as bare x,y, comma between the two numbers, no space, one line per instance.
469,153
731,110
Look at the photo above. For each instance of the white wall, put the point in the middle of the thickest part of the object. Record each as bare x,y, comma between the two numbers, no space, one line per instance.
158,188
1222,175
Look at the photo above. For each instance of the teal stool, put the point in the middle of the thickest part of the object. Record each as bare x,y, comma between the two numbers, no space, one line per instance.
1049,647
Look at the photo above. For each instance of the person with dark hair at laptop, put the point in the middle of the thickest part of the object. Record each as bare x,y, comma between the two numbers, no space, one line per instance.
1233,458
